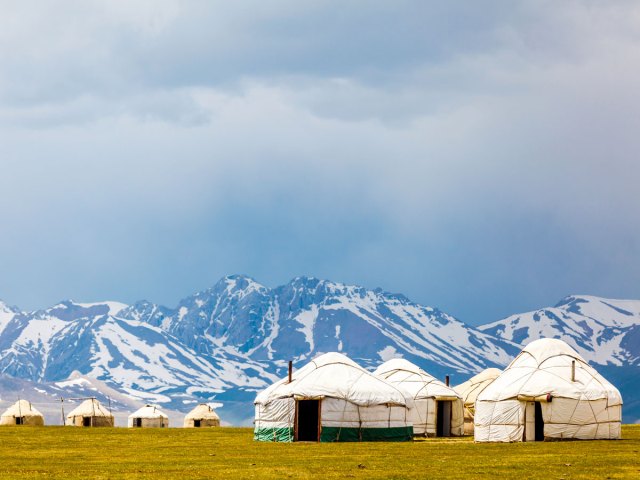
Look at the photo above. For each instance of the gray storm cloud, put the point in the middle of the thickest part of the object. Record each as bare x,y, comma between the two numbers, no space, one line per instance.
481,159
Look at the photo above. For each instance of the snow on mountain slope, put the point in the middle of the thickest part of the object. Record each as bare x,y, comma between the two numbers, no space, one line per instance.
6,314
139,359
603,331
308,316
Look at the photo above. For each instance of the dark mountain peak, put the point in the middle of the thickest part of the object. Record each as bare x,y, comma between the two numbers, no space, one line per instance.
305,281
70,310
228,285
572,301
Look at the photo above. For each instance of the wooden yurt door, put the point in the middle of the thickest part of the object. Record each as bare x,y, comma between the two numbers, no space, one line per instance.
530,422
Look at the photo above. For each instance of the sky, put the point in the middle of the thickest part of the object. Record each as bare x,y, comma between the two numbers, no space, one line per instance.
480,157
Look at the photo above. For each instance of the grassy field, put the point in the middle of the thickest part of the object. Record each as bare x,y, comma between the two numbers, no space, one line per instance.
115,453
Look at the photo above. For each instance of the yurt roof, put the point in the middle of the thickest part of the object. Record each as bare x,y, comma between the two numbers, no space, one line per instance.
545,367
470,389
203,410
337,376
148,411
22,408
414,380
89,408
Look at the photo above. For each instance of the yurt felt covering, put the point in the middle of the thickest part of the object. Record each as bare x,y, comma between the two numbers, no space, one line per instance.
354,404
92,411
469,392
576,402
25,412
204,414
148,416
426,392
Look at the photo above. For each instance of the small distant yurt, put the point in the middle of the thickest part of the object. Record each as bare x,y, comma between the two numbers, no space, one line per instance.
437,409
469,392
332,399
148,416
202,416
22,413
90,413
548,392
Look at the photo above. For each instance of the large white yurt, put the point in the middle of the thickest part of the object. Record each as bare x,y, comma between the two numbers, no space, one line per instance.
469,392
437,409
148,416
548,392
332,399
90,413
22,413
202,416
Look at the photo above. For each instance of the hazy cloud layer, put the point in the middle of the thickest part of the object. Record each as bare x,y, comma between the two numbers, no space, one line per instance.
482,159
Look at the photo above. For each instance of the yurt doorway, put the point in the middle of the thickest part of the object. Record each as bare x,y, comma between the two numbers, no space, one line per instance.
539,423
307,421
443,418
534,424
86,421
137,422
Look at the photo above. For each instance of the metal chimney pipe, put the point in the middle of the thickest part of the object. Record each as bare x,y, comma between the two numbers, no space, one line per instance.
573,370
290,370
446,380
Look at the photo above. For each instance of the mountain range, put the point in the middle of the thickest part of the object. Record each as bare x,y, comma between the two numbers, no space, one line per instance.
226,343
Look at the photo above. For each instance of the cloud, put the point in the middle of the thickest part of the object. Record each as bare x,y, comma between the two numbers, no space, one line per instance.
479,158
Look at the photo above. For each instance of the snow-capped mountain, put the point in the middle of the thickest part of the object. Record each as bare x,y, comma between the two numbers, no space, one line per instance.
139,359
603,331
233,339
308,316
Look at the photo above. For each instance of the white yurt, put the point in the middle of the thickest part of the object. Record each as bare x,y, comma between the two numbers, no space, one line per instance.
22,413
437,409
469,392
202,416
548,392
148,416
332,399
90,413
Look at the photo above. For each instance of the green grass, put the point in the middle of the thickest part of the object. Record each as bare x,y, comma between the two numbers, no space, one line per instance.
116,453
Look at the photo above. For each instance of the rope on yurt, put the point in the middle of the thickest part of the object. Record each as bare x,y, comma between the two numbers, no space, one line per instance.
342,419
426,420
